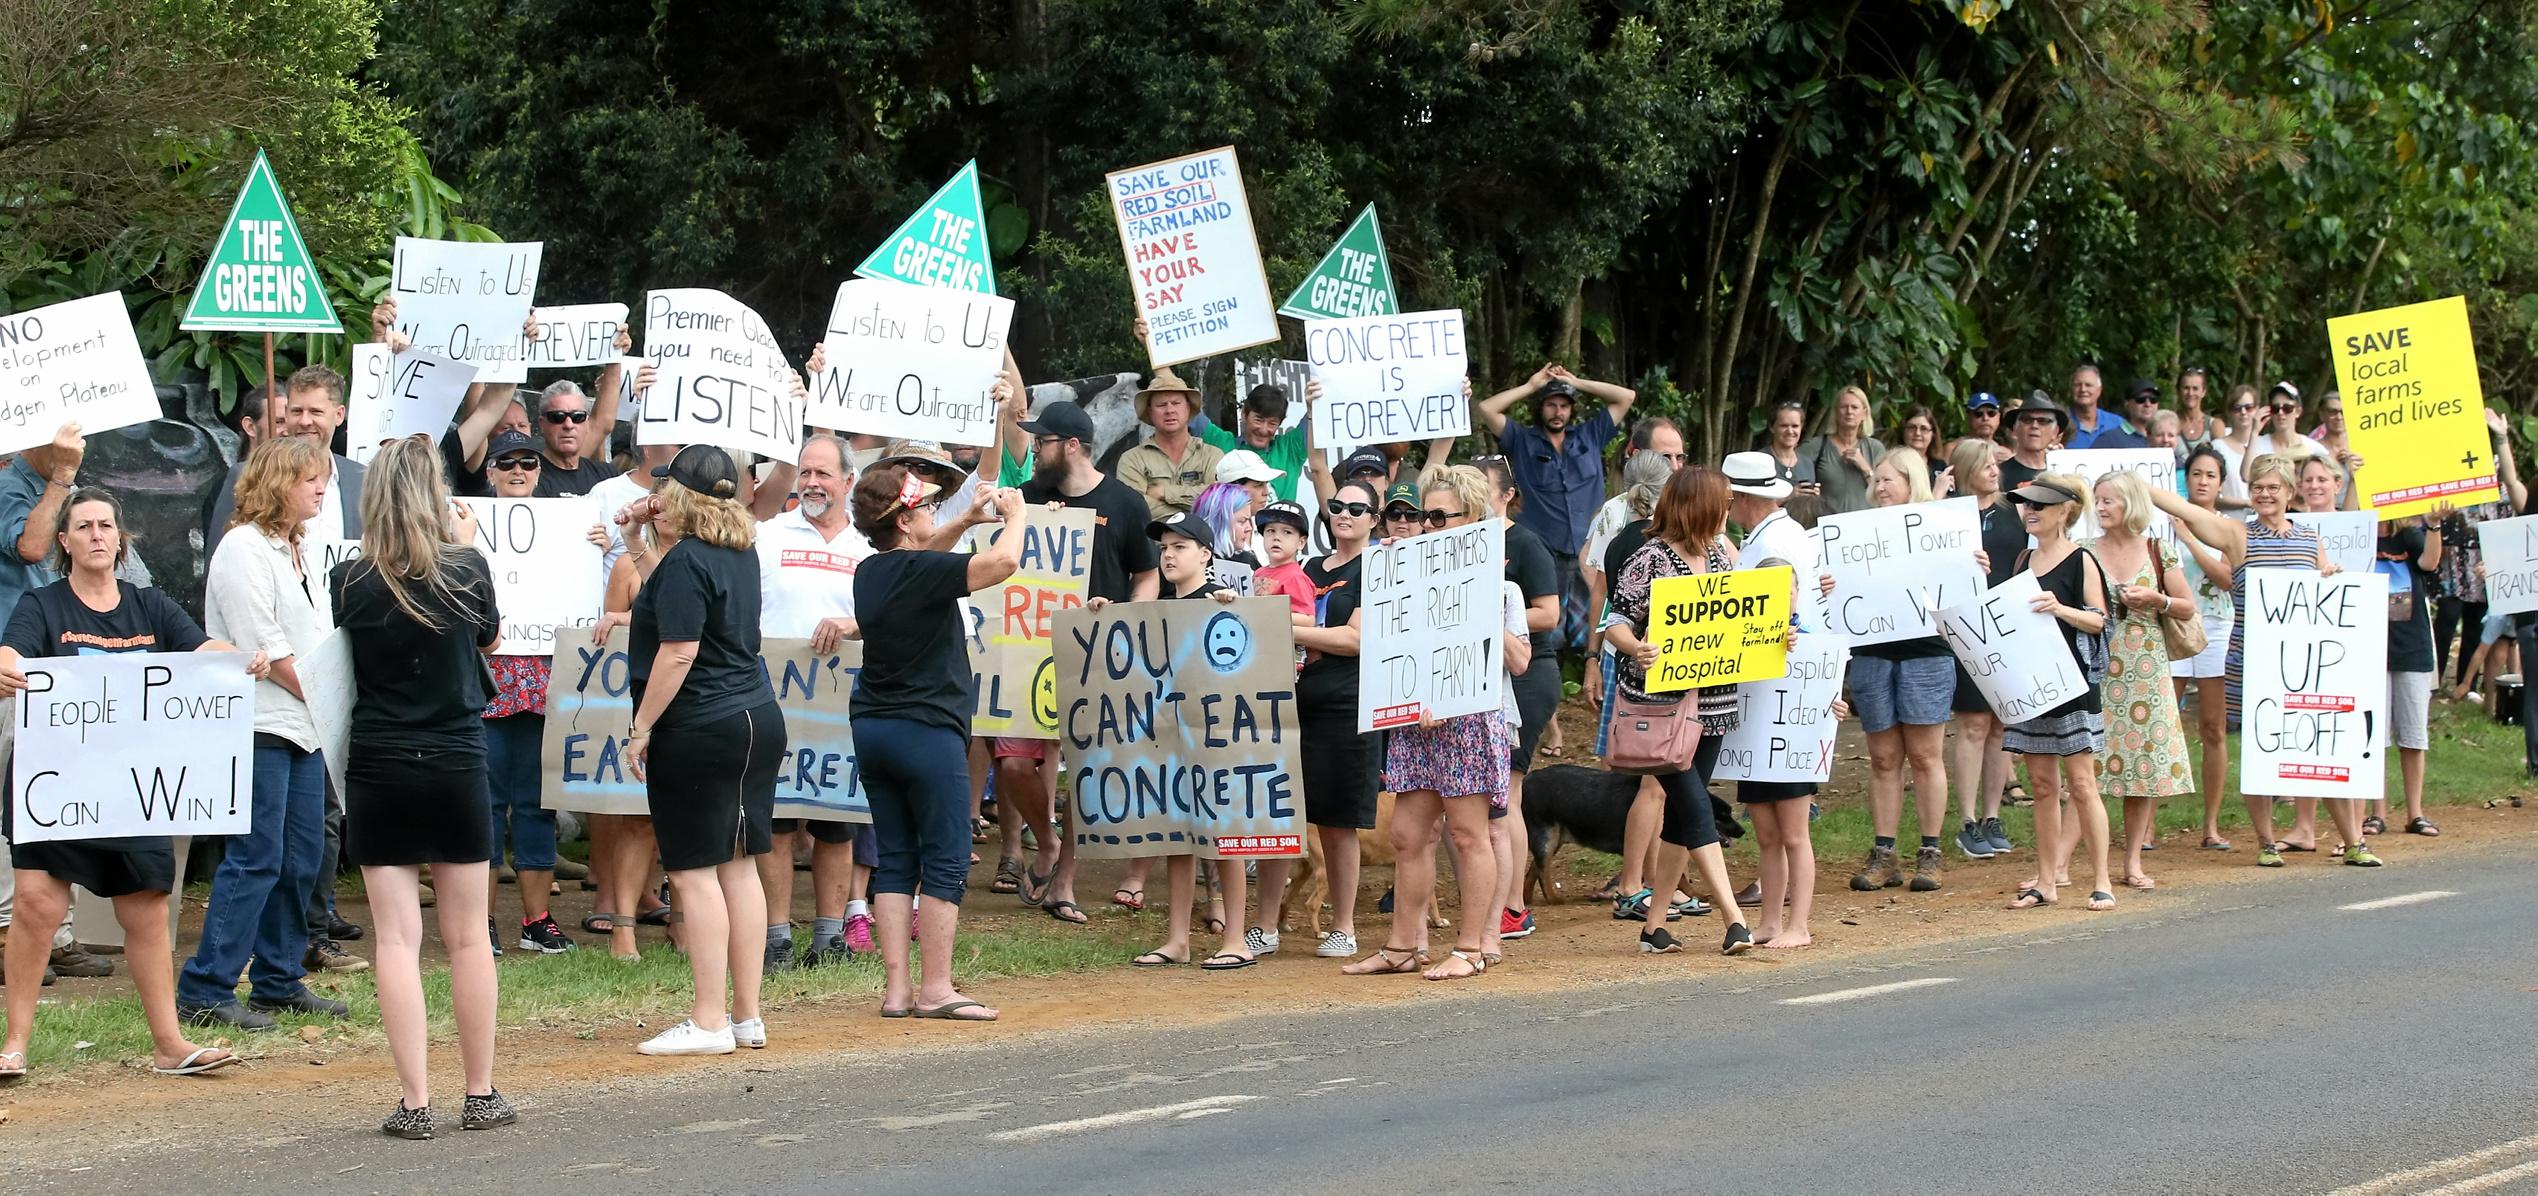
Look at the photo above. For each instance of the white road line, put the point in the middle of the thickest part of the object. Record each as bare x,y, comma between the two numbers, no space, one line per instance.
1874,990
2439,1167
2487,1181
1214,1104
2398,900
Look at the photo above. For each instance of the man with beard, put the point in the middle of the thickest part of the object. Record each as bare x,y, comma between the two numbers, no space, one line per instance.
806,585
1558,462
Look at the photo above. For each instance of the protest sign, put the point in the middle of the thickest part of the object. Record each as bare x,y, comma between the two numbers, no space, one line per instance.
944,244
2015,653
1353,279
1431,626
719,377
1178,728
1011,625
1388,378
912,362
584,334
260,277
590,703
72,362
1719,628
2510,549
1231,574
1785,726
1193,262
547,580
326,681
2352,537
1894,568
2157,467
467,301
2414,408
2315,719
124,744
391,396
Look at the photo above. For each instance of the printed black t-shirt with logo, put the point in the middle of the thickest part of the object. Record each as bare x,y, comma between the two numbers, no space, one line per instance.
2409,631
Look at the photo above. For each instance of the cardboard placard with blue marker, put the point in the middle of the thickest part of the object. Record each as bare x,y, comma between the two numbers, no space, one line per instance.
1177,724
1013,623
126,745
590,704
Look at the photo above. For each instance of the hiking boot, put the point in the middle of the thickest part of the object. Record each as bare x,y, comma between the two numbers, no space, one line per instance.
1971,840
1998,836
71,961
1925,870
1880,872
780,956
544,937
324,955
228,1014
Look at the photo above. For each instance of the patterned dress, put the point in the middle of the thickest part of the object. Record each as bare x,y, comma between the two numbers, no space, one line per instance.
2294,547
2145,737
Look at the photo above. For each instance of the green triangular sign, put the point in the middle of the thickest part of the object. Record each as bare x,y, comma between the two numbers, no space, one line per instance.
260,277
1354,278
943,245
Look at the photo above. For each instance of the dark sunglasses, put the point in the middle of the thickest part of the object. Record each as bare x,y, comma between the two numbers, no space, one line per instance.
1436,516
2037,420
2243,407
514,463
566,417
1358,509
2286,406
1400,514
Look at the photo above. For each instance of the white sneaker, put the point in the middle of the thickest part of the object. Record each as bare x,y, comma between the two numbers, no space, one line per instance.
751,1033
686,1038
1337,946
1261,942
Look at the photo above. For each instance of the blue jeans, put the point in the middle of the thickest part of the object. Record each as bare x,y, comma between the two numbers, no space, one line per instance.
512,746
258,890
916,776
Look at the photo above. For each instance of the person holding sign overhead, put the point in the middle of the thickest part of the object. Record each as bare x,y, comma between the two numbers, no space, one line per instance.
911,711
91,611
707,740
419,606
259,592
2065,740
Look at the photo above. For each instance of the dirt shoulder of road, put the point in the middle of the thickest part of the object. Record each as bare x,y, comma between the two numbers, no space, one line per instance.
319,1079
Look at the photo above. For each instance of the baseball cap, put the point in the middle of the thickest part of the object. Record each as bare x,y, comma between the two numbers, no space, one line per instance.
1401,492
1365,460
1244,465
1062,418
1755,474
1557,388
509,442
1188,526
2284,388
1981,399
1291,514
2141,388
705,469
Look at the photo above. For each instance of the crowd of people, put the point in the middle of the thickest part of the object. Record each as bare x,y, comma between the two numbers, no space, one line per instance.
707,552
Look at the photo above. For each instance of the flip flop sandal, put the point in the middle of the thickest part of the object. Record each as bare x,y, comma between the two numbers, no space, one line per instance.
599,915
889,1012
2422,826
2142,883
1474,960
2030,899
1227,961
1008,876
2218,845
1216,925
195,1065
1156,959
2374,825
659,915
950,1011
2101,901
2294,847
1065,911
1034,888
1132,900
13,1065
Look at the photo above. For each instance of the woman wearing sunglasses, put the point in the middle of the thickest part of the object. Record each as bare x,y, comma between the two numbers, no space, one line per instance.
1339,760
1402,516
2232,444
2062,744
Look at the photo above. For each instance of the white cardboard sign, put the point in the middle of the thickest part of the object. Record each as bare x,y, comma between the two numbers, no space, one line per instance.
719,377
1431,626
1387,379
913,362
326,680
1895,568
2510,548
129,744
2015,653
1785,728
582,335
2315,719
2157,467
545,569
468,301
2352,537
398,395
72,362
1193,261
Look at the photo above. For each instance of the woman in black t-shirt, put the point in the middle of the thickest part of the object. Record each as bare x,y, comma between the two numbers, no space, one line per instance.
706,741
911,711
1339,760
85,613
417,607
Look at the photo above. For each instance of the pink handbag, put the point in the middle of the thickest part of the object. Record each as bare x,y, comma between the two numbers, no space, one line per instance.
1650,738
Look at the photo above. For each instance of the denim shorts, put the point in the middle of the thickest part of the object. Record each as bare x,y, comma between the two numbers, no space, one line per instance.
1919,692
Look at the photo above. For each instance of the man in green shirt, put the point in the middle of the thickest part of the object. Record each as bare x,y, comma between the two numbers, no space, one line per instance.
1263,413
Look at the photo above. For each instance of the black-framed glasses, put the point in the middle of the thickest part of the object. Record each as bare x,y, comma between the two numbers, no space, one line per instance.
1335,507
1439,516
509,464
565,417
1039,441
1401,514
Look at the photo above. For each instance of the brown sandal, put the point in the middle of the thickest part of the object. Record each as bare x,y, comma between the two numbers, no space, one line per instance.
1384,962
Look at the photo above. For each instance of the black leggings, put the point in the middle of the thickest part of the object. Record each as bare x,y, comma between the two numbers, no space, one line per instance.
2463,620
1690,823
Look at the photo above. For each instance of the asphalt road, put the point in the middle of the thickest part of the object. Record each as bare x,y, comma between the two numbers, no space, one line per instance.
2251,1038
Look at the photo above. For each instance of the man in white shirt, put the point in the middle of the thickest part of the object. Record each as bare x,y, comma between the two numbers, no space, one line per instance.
1756,493
806,589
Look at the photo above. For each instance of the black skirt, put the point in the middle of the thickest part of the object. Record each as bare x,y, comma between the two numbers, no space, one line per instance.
106,867
712,787
404,807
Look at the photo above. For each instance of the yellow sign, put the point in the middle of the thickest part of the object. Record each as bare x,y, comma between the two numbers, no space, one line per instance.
2413,407
1719,628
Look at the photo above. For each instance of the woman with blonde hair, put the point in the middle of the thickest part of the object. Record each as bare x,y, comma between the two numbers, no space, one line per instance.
2060,744
1904,693
706,740
418,604
2146,757
259,595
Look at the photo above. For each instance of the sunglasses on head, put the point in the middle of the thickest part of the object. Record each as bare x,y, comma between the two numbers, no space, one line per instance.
517,463
566,417
1437,516
1336,507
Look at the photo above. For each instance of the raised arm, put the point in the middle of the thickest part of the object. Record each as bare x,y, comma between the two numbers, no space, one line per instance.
1493,410
2212,527
1617,398
612,384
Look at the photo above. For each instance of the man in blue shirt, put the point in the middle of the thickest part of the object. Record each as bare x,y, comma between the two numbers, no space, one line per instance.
2092,426
1558,462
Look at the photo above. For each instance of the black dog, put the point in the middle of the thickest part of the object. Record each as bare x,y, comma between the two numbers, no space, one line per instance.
1567,804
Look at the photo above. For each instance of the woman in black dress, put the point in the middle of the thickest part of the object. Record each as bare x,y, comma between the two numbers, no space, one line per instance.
418,609
86,612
